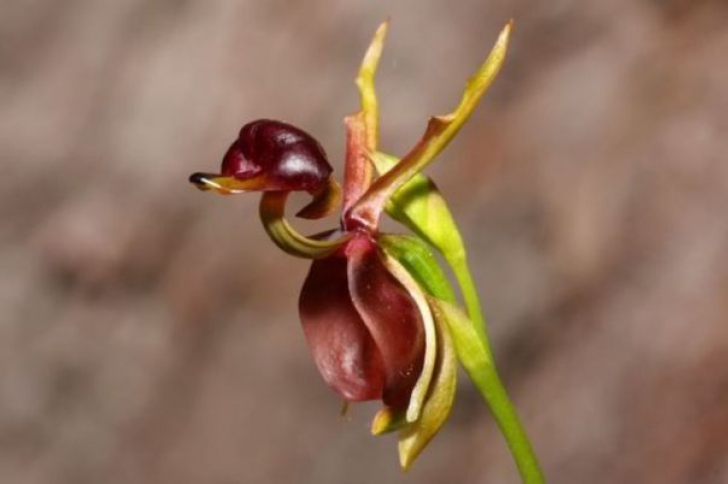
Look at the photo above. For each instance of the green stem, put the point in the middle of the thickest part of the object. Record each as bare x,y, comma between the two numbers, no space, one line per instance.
473,348
459,265
489,385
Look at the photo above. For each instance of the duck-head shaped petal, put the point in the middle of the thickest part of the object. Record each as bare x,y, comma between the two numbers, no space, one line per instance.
269,156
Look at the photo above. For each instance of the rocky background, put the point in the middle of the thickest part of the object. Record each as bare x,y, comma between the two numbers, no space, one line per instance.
149,332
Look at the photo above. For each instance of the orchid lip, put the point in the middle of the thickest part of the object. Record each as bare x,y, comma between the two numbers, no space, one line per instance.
226,185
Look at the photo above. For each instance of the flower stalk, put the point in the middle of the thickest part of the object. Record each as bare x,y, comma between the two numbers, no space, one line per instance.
479,365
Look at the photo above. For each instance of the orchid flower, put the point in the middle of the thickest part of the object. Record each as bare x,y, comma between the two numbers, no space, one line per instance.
380,316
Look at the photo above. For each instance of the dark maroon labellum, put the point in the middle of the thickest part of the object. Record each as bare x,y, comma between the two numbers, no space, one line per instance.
287,157
364,329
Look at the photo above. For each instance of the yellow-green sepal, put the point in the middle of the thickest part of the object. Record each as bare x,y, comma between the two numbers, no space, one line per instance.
419,260
471,351
478,363
388,420
420,391
413,438
439,133
434,392
419,206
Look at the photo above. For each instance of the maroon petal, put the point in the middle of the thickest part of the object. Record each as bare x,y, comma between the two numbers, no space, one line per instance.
342,347
391,315
287,157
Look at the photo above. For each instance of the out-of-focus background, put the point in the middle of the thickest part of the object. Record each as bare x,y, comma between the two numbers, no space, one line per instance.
149,332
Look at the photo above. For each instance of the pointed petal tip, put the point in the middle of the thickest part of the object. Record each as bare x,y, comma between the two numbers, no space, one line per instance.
388,420
381,422
383,27
505,33
369,63
226,185
405,461
198,179
381,31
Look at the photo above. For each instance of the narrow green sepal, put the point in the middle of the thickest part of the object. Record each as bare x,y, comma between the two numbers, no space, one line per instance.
420,262
414,438
421,388
470,349
420,206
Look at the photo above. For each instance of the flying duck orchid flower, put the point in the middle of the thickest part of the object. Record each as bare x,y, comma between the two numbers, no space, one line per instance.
379,314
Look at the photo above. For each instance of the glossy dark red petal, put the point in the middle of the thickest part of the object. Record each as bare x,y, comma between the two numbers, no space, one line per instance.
342,347
288,157
390,314
235,164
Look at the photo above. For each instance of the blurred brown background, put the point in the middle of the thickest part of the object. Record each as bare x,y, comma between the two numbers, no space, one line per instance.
149,332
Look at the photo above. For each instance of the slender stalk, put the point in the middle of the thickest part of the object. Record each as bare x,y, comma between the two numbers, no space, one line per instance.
459,266
489,385
272,215
478,363
486,379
